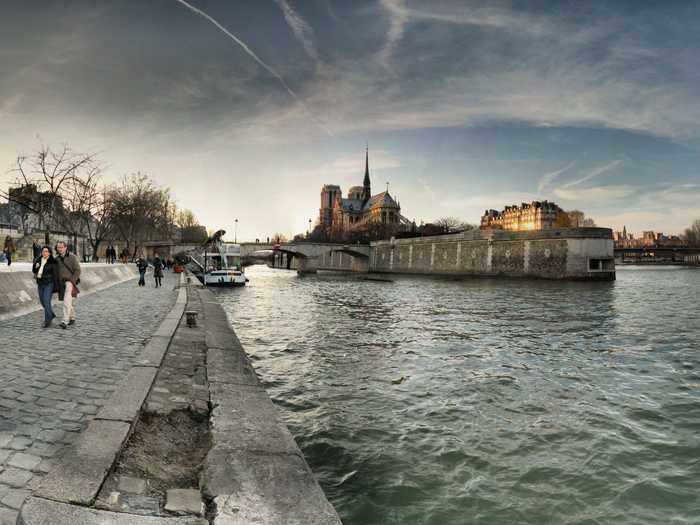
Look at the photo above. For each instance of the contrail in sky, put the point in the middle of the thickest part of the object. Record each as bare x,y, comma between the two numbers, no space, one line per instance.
256,58
301,29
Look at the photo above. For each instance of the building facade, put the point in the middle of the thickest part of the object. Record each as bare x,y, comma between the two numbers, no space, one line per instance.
339,215
536,215
649,239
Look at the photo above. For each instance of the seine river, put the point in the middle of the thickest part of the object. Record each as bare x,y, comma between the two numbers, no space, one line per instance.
427,401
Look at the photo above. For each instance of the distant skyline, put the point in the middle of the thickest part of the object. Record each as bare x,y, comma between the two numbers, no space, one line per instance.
245,109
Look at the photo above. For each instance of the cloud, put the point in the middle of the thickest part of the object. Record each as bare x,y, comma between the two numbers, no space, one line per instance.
301,29
257,59
596,194
548,178
350,168
595,172
398,18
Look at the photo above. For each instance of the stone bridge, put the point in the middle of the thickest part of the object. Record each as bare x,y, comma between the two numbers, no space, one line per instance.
308,257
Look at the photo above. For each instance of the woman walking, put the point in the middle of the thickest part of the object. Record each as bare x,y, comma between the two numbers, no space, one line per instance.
8,249
158,270
44,268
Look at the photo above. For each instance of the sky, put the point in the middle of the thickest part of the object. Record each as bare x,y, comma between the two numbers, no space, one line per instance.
245,108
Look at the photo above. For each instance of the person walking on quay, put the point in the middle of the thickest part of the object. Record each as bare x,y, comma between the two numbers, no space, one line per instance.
36,250
46,275
68,268
142,265
158,270
8,249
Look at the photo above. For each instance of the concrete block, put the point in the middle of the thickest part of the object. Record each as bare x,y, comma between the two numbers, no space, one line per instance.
153,352
266,489
39,511
133,504
167,328
125,403
219,333
132,485
245,416
230,366
184,501
79,474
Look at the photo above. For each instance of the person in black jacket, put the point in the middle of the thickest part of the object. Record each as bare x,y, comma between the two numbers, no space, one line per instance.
142,265
158,270
44,268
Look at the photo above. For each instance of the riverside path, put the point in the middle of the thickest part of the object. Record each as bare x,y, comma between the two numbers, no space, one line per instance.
53,381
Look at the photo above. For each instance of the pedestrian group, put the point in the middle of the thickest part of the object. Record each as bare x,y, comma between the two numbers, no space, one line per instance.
60,274
57,275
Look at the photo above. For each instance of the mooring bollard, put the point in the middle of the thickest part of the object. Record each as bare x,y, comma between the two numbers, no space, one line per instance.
191,318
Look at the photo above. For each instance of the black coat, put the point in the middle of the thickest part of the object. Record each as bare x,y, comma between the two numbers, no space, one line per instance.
50,273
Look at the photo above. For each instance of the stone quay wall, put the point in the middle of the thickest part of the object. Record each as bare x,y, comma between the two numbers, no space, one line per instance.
571,253
18,289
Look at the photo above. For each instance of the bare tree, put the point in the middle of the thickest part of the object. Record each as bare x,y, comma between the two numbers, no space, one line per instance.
453,225
692,234
44,180
278,238
141,211
578,219
186,219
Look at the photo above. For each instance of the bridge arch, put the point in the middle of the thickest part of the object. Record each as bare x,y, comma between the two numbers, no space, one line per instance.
311,257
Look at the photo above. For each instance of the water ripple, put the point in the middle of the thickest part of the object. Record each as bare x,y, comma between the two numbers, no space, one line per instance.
486,401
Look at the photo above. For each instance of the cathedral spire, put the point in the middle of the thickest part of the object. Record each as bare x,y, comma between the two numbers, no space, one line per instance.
367,193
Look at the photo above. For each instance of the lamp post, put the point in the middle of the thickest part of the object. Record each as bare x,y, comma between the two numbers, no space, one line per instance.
235,231
308,232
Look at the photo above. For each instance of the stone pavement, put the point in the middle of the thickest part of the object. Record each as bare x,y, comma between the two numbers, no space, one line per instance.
52,382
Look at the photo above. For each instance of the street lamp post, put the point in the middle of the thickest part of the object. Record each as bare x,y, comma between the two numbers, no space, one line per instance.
235,231
308,232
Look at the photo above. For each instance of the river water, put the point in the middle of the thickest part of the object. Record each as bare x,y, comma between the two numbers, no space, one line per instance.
428,401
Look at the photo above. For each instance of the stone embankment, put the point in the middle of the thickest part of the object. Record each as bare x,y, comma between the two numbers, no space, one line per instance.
190,437
572,253
18,293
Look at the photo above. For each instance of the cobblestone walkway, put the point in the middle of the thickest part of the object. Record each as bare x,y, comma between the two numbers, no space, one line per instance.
53,381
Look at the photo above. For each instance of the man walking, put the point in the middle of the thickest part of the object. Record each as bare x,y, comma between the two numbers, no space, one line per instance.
68,278
142,265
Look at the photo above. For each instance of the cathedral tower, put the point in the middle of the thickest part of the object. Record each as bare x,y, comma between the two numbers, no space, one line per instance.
367,193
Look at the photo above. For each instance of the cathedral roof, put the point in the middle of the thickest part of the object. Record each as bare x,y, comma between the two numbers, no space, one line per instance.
352,204
381,200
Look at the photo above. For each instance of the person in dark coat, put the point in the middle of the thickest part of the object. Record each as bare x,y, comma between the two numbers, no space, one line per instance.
8,249
142,265
36,250
158,270
46,275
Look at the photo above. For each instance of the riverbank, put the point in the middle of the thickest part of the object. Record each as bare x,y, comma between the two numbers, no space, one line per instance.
189,437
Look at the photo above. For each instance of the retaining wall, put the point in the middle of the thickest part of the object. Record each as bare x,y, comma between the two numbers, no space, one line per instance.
18,290
572,253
